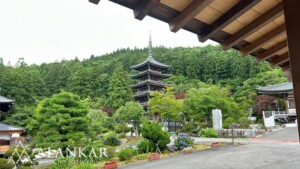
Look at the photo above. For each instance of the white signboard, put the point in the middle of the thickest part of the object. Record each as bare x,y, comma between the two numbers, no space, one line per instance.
217,119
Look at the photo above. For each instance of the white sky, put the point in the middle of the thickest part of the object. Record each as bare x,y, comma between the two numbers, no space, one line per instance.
49,30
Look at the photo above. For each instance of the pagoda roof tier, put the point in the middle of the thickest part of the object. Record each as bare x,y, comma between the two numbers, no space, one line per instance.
150,82
142,94
151,61
5,100
152,72
276,89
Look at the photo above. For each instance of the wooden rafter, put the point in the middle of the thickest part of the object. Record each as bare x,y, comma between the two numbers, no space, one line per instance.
94,1
278,60
188,14
228,17
271,52
144,8
253,26
280,30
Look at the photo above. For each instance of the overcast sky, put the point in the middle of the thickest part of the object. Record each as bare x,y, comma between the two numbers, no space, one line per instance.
49,30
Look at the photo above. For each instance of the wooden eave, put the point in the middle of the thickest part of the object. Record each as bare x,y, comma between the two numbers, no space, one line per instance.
255,27
146,72
149,82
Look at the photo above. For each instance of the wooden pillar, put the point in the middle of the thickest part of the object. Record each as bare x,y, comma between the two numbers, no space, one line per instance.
292,15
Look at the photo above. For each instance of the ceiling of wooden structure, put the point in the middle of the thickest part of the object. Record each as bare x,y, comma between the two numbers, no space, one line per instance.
255,27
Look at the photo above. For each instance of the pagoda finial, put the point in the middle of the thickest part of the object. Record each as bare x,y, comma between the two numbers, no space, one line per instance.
150,46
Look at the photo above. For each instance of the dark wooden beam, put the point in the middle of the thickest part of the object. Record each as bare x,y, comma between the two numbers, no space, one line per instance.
188,14
286,66
94,1
278,60
292,15
275,33
252,27
144,7
227,18
271,52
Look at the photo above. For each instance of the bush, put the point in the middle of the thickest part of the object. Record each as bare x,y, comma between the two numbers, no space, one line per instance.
25,168
111,139
182,142
63,162
146,146
121,128
244,122
15,156
227,122
4,164
126,154
122,135
189,128
203,125
154,133
208,132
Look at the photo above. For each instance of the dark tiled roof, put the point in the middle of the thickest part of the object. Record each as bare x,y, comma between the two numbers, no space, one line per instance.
5,100
6,127
152,73
278,88
151,61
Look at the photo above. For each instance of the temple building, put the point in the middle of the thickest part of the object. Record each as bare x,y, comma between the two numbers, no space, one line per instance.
284,90
9,137
149,77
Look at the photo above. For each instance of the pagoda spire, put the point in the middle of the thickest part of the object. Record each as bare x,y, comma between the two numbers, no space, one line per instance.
150,46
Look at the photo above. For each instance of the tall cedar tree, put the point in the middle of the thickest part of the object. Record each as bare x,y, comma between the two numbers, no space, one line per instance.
119,91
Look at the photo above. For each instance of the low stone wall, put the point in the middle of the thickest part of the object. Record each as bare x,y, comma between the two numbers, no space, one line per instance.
241,133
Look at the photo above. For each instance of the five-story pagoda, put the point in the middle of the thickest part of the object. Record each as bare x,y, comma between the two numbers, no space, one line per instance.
150,77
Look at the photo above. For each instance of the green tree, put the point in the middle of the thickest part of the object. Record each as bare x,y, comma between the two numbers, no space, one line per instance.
119,91
61,121
202,100
165,104
131,112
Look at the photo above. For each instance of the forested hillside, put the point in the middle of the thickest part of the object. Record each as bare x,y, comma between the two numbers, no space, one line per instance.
95,79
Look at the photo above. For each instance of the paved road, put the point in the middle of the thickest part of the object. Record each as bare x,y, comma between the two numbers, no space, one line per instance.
290,134
254,154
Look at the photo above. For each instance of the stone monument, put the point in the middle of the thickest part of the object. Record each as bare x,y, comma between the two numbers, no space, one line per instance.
217,119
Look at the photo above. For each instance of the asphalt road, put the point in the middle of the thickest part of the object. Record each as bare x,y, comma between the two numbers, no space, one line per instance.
288,134
253,155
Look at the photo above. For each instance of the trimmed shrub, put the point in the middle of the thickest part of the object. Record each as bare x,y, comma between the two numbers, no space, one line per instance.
111,139
208,132
126,154
4,164
154,133
183,141
146,146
